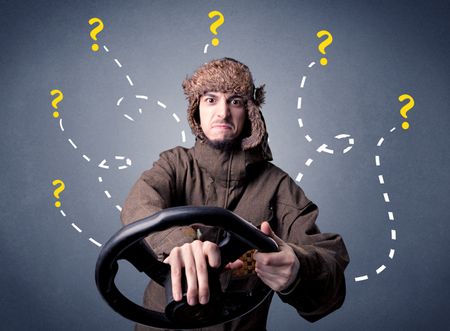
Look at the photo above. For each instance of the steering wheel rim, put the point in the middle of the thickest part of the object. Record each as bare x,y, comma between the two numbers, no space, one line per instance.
128,244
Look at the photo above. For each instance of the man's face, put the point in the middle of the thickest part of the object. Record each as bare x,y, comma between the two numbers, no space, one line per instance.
222,116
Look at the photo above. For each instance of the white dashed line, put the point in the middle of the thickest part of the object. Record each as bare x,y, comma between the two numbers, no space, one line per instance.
386,197
72,143
140,110
118,63
381,269
321,148
100,179
342,136
300,123
391,253
380,142
129,80
119,101
308,162
381,179
299,103
86,158
308,138
142,97
393,235
60,124
347,149
311,64
161,104
96,243
103,165
122,167
183,136
107,194
391,216
62,213
361,278
377,160
118,208
76,227
106,49
302,84
392,130
128,117
205,49
299,177
119,157
175,116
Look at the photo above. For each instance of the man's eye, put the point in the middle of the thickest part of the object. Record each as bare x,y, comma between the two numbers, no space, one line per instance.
209,100
236,102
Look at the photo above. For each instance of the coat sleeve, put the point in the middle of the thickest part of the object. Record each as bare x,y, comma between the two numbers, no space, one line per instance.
320,285
153,191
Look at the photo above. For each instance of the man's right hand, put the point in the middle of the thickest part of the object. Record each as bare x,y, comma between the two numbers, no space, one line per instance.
195,258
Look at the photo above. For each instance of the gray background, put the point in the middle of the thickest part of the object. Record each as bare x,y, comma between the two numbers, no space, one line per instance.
381,50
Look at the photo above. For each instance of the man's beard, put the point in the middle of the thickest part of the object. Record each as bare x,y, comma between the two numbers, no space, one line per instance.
225,144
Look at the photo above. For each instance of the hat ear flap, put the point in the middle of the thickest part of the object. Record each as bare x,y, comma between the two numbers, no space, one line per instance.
259,95
257,127
194,119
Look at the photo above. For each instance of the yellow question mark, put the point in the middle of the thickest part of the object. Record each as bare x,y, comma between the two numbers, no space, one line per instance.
324,44
95,31
58,190
56,101
213,28
406,108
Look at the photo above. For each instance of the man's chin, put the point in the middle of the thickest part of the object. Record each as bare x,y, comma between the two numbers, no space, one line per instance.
224,144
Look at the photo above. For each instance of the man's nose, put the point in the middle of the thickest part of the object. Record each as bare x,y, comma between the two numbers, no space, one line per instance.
223,109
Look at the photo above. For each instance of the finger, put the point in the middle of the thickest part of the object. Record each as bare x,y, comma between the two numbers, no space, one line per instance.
175,273
267,230
191,274
212,252
234,265
271,259
202,272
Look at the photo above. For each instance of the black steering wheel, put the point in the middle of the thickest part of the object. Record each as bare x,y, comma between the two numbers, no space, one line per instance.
223,306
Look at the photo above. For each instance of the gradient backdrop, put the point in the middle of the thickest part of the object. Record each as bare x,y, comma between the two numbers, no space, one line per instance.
396,232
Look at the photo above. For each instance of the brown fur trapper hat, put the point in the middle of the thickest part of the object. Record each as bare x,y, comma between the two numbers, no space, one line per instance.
228,76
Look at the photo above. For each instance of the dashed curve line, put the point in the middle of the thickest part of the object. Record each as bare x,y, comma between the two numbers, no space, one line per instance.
143,97
103,164
390,215
323,148
108,195
79,230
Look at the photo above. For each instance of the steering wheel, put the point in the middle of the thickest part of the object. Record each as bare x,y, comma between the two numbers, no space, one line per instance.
128,244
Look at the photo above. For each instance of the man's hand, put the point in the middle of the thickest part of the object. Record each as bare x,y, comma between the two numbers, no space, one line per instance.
277,270
194,258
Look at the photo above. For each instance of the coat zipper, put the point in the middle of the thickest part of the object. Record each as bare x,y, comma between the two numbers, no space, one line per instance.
228,181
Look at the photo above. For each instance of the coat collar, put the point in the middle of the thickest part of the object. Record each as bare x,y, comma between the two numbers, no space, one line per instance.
224,165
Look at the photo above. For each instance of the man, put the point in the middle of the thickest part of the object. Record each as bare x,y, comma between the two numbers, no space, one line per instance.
229,167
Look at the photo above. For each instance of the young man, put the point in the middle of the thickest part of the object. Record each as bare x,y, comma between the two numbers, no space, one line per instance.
229,167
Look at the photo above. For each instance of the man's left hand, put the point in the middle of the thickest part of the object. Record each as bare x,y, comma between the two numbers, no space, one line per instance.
277,270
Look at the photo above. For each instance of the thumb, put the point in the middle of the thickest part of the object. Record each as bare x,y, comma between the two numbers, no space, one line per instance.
267,230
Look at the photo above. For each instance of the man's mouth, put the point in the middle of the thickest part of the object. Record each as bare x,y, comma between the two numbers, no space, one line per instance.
222,126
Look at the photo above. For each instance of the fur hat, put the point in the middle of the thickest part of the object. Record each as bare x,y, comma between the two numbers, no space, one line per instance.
228,76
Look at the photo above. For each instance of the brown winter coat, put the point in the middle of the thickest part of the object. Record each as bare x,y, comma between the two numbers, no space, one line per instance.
246,183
